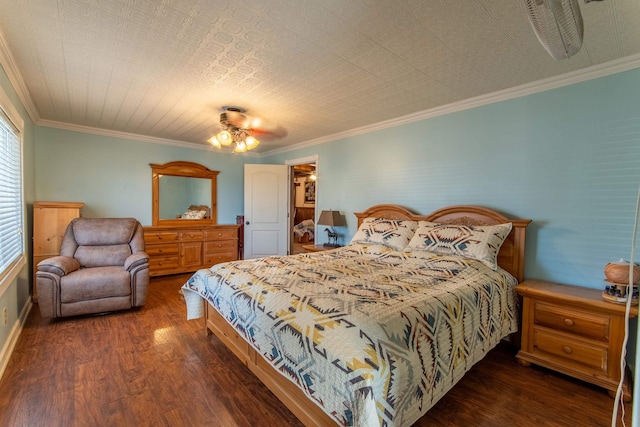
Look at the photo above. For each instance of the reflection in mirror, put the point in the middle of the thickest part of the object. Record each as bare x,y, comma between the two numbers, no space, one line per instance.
183,193
179,193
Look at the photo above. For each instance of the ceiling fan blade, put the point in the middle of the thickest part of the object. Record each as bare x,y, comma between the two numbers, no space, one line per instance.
234,118
278,132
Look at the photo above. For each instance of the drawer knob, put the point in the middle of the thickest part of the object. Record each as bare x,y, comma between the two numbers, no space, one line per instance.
567,349
568,322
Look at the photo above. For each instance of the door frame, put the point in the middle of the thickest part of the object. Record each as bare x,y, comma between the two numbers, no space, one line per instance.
290,209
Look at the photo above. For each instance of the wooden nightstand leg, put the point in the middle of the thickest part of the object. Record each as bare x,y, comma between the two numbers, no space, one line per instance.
523,362
626,389
626,396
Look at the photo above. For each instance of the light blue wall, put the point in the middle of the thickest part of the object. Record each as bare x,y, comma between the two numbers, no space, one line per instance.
17,296
112,176
569,159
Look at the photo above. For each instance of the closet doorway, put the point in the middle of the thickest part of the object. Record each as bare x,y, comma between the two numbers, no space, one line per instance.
303,206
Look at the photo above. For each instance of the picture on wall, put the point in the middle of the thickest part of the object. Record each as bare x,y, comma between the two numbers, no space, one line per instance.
310,192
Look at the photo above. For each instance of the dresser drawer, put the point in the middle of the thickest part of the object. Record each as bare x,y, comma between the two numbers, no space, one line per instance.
213,259
220,246
162,250
573,321
571,350
160,237
163,263
191,236
222,233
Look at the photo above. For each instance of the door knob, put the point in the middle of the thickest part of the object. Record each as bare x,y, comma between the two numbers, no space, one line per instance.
247,223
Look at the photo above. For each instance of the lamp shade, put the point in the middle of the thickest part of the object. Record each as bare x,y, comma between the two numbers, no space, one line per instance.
331,218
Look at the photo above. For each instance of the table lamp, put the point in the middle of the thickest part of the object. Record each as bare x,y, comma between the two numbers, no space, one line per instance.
332,219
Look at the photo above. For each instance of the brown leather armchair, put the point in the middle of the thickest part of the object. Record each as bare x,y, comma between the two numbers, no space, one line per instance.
102,267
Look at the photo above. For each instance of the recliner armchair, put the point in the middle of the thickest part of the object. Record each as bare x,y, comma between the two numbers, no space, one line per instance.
102,267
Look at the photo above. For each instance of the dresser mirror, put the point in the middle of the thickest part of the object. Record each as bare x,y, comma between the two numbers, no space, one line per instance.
184,193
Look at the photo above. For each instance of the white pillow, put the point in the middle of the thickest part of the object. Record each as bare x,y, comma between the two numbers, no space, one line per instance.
194,215
393,233
481,242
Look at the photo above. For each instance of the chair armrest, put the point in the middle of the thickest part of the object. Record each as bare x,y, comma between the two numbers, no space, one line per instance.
59,265
135,260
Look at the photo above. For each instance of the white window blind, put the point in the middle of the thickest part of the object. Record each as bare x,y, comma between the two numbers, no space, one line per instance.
11,215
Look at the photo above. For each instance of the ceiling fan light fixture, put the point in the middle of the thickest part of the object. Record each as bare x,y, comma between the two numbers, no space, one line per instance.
251,142
241,147
214,141
224,137
236,130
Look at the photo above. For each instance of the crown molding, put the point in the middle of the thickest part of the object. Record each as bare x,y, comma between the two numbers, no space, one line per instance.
596,71
135,137
8,63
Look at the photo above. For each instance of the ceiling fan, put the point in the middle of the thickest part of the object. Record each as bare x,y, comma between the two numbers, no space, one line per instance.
239,130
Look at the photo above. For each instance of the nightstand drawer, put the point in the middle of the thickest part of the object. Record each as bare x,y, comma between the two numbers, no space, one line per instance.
573,321
571,350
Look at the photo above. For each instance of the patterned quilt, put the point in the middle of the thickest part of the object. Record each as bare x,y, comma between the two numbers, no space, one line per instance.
372,336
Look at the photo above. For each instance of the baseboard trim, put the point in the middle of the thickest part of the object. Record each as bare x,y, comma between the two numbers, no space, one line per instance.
10,345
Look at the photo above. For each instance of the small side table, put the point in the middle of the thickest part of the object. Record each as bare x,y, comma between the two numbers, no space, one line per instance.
317,248
573,330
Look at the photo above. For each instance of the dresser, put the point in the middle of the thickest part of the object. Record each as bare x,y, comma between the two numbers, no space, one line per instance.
573,330
50,221
186,248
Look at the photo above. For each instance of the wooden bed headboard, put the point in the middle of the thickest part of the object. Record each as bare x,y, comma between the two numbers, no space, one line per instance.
511,255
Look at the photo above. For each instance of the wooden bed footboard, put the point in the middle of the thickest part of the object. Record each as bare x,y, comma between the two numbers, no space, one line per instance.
287,392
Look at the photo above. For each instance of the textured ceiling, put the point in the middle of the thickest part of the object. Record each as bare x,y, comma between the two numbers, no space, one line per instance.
316,68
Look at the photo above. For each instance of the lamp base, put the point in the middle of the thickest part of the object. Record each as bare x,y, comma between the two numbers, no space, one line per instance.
331,245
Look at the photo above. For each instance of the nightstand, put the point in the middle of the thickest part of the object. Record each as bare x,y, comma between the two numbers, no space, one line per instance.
573,330
317,248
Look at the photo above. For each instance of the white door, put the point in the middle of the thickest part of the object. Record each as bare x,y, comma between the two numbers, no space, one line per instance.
266,201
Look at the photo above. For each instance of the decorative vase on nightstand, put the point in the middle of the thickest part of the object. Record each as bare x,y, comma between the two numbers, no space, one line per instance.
617,280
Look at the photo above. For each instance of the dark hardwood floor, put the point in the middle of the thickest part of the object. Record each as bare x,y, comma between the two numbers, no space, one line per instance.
151,367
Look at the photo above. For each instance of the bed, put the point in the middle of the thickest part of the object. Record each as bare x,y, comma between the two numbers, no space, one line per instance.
371,333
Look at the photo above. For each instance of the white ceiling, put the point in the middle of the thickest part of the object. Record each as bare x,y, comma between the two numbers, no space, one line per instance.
163,68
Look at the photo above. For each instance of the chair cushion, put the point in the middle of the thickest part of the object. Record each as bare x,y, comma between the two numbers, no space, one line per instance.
101,256
103,231
94,283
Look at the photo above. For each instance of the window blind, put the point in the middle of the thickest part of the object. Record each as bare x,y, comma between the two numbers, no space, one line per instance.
11,233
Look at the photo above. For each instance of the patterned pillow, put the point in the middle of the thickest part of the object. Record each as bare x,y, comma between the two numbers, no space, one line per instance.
477,242
393,233
194,214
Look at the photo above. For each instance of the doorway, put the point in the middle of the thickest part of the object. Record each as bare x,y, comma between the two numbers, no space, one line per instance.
303,205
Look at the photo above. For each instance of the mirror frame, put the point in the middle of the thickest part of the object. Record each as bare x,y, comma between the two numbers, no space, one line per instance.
184,169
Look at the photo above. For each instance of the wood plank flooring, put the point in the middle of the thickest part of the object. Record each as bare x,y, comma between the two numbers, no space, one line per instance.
151,367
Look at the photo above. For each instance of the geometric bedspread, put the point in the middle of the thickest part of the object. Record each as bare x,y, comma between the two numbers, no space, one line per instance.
372,336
